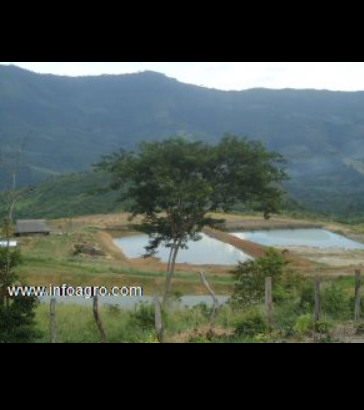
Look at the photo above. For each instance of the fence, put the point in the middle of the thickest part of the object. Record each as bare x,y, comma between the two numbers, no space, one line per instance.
317,313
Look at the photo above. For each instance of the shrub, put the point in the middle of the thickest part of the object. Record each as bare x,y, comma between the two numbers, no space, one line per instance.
252,325
360,329
334,303
322,328
285,317
199,339
307,297
204,310
304,326
250,278
351,306
289,286
17,321
17,316
144,317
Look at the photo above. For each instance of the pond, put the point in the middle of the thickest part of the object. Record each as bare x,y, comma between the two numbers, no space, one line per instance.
208,251
132,303
314,238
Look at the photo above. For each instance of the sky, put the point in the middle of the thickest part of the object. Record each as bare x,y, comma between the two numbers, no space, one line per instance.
342,76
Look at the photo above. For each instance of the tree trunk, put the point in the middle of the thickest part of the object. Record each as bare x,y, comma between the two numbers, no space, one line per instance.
170,274
170,259
100,327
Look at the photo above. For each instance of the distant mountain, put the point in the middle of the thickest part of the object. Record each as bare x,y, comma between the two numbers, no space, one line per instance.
68,123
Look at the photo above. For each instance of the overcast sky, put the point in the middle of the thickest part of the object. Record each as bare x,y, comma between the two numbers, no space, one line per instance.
345,76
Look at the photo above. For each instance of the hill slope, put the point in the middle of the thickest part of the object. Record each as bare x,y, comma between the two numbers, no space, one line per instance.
67,123
65,197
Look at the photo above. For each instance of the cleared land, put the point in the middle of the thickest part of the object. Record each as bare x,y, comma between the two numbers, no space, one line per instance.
81,252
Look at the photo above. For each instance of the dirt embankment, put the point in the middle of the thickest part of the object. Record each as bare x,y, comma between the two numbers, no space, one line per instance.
252,249
121,221
257,251
108,246
110,226
255,224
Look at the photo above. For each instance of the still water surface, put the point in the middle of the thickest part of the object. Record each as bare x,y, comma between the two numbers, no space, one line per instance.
132,303
317,238
208,251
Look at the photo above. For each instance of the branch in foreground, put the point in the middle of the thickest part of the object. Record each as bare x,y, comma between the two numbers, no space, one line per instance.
216,306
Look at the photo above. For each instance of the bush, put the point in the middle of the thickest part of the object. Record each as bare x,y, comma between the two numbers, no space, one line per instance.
322,328
250,278
304,326
17,321
334,303
322,332
307,297
289,286
360,329
285,317
351,306
204,310
252,325
17,316
144,317
199,340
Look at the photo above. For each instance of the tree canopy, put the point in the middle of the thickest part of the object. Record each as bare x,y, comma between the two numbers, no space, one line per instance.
176,184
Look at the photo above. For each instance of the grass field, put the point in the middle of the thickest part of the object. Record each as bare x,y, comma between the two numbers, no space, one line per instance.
75,324
53,260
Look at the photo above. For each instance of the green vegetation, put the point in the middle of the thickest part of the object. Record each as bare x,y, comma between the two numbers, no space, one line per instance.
67,196
87,193
292,322
17,316
67,123
52,127
250,278
175,185
52,260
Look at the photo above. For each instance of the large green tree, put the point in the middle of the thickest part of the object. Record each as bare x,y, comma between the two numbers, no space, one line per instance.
176,184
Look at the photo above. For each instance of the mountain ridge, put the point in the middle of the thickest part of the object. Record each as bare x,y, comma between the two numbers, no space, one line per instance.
67,123
13,68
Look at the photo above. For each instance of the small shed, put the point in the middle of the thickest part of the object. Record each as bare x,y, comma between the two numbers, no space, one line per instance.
31,227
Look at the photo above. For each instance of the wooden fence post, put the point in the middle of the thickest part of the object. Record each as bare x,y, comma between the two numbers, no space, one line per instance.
317,299
100,327
357,296
53,321
159,331
268,300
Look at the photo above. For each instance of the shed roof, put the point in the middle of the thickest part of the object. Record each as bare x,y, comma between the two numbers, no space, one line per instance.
31,226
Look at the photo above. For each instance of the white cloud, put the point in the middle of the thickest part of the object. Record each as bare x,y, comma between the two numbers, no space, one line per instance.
346,76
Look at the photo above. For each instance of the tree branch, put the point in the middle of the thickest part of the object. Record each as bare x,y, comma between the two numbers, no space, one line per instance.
216,305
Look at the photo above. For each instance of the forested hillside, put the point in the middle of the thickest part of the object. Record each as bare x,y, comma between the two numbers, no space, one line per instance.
62,125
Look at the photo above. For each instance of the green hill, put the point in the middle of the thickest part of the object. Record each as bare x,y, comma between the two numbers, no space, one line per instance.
67,196
86,193
65,124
